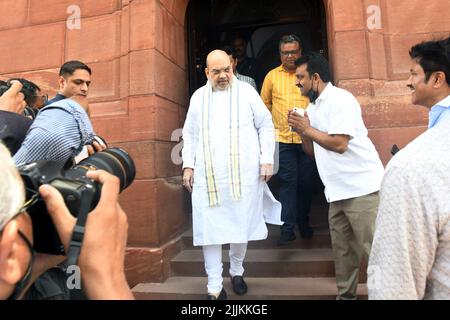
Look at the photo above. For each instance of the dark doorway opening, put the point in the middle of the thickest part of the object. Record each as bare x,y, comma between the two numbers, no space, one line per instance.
214,23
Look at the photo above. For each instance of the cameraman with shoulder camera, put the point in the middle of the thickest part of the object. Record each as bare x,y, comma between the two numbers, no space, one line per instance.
102,255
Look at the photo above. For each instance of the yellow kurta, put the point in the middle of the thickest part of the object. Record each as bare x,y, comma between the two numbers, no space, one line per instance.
280,95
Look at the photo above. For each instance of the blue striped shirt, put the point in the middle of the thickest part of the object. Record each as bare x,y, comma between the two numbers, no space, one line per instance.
58,133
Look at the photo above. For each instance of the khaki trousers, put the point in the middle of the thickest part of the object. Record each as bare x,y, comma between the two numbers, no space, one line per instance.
352,225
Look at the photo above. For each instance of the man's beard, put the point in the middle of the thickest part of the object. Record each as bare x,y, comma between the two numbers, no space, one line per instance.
312,95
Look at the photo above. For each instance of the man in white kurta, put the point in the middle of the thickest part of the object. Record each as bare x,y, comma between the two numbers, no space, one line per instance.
235,214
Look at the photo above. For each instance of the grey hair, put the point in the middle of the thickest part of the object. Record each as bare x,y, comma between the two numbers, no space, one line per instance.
12,192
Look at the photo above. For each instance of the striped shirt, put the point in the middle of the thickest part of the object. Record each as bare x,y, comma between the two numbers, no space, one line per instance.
280,95
58,133
249,80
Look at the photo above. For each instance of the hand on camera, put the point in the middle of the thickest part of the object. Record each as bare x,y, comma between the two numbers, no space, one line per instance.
103,251
13,100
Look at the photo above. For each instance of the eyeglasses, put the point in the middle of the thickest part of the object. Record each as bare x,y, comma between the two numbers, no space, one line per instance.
33,199
287,53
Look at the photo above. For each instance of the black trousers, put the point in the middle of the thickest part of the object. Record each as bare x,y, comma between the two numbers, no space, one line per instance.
297,173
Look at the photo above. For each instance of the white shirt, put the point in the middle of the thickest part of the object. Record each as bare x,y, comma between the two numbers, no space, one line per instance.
410,257
359,170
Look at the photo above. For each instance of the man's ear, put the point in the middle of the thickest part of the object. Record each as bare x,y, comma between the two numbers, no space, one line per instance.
316,76
206,72
62,82
439,79
10,269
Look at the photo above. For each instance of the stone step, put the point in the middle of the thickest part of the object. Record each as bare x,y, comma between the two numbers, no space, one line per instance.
194,288
321,239
263,263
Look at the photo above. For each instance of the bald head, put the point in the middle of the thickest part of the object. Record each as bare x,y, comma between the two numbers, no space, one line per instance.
219,70
216,56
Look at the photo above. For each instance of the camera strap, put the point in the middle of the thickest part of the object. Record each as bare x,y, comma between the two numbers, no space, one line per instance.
78,231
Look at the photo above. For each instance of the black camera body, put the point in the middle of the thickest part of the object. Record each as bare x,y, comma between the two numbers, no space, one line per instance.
71,181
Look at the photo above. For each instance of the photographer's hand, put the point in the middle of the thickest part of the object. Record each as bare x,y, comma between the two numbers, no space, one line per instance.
103,252
95,147
13,100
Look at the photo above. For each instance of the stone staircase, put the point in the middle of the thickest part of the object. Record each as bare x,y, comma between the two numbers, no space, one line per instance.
303,269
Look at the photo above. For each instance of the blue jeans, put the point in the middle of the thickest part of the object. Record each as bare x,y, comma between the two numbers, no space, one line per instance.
296,174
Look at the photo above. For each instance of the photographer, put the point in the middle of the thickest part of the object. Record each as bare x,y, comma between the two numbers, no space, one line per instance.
102,255
13,125
33,97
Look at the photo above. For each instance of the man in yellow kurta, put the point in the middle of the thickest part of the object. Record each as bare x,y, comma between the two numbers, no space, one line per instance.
297,171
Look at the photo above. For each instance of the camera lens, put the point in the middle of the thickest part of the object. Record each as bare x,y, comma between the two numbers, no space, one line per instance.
115,161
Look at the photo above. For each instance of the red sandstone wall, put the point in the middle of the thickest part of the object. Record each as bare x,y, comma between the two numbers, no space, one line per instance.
373,63
136,49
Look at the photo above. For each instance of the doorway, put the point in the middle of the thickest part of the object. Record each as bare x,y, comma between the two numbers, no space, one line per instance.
212,24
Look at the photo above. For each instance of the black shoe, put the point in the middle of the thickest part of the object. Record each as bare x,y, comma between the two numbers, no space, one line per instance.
286,237
222,296
239,285
306,232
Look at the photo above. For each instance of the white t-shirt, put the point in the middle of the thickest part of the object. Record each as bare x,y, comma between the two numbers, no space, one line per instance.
356,172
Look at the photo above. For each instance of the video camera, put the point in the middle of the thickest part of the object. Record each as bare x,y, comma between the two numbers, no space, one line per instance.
79,192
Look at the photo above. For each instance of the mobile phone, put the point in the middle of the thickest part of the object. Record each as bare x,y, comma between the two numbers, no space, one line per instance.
299,111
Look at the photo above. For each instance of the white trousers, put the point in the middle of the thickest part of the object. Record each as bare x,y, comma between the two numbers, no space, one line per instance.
214,267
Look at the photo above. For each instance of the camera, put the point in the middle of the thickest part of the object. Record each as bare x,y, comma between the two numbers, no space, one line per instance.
27,87
71,181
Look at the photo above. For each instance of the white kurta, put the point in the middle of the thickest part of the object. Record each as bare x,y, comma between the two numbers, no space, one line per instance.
233,221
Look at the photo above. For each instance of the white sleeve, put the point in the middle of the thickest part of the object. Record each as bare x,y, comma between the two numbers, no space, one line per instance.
405,240
343,115
191,133
264,125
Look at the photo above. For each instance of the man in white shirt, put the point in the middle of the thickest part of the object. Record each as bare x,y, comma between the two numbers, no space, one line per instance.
334,133
410,258
228,155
